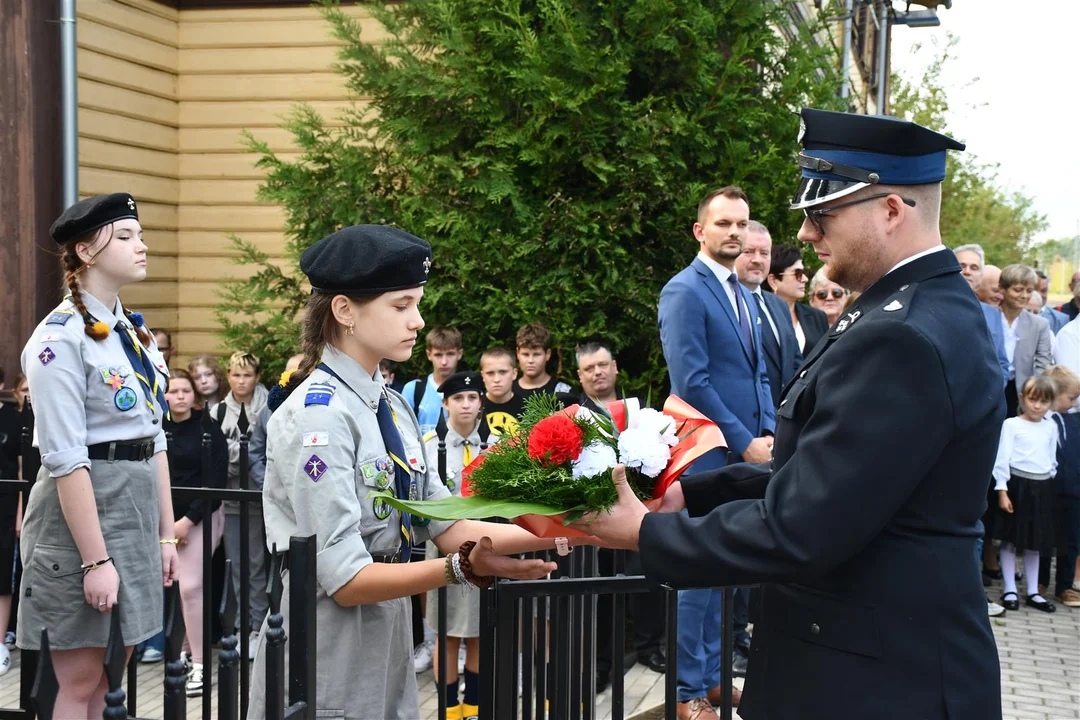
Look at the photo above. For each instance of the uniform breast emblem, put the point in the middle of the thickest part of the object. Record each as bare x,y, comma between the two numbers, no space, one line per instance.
893,306
382,480
125,399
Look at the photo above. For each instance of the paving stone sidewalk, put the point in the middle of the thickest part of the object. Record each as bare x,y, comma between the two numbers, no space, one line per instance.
1040,673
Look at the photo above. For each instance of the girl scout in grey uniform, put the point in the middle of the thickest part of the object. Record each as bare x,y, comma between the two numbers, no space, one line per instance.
91,533
340,434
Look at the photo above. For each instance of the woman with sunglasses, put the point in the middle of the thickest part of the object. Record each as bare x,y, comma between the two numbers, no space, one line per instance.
787,279
827,296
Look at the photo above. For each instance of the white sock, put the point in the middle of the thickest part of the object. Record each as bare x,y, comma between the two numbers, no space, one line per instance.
1007,558
1031,573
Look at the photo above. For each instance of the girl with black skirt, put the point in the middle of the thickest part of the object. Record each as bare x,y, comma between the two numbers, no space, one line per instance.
1023,476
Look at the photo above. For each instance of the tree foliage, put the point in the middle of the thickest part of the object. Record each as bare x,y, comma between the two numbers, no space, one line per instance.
975,207
553,153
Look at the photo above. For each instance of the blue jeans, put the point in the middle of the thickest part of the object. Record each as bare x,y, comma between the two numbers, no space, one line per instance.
699,642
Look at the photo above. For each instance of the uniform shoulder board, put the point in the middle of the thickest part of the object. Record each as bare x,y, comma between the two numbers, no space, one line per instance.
59,317
319,394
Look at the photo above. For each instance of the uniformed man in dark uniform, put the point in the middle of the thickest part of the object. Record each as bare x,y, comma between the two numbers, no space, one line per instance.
862,530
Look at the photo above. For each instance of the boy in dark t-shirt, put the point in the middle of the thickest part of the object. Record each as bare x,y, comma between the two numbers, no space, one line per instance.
502,404
533,353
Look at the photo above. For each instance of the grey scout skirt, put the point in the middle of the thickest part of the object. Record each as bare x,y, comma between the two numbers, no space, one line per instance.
126,493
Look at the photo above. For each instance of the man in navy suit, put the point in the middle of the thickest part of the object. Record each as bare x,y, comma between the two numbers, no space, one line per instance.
713,348
778,341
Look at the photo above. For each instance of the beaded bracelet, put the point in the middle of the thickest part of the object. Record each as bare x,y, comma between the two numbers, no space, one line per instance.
448,570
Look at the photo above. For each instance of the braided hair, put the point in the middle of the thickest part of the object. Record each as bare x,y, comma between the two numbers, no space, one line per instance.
73,265
318,329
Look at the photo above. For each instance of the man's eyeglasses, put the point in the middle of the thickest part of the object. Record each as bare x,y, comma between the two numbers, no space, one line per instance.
815,215
837,293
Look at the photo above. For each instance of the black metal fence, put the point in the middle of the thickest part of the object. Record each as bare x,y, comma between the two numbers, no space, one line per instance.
543,629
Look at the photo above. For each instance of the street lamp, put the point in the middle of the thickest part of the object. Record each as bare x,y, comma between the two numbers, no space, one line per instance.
911,18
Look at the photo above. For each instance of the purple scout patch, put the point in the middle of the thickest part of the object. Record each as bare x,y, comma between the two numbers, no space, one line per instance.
46,356
315,467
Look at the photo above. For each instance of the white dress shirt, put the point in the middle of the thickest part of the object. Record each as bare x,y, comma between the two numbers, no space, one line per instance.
1030,447
916,256
722,274
765,311
1010,344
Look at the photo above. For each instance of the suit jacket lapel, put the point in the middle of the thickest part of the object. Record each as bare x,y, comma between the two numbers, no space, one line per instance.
770,309
721,296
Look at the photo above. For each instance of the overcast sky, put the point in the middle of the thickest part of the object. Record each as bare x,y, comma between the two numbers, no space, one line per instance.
1022,110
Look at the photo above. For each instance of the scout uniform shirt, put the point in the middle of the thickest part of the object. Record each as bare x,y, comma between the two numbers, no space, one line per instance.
324,455
462,606
84,391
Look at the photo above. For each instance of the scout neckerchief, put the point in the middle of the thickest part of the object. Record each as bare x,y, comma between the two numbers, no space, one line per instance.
139,358
402,475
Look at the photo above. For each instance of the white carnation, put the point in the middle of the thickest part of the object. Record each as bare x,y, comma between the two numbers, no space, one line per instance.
645,450
595,458
655,422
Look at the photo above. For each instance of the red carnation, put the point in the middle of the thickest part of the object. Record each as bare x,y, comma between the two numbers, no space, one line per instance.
555,440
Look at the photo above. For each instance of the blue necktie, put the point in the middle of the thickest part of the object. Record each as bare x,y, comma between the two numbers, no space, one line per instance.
744,316
402,475
139,358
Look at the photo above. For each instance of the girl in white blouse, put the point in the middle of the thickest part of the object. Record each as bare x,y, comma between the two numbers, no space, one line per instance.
1026,463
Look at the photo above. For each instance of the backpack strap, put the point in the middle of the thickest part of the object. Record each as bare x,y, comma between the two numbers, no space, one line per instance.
418,394
221,413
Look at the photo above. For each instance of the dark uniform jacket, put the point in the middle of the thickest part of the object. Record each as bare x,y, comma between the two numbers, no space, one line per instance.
864,530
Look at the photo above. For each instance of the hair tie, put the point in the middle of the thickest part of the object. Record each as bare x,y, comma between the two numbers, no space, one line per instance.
97,330
137,319
285,377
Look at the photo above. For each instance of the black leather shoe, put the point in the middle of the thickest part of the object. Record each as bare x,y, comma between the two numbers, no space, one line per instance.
738,665
655,661
1013,604
1042,604
992,574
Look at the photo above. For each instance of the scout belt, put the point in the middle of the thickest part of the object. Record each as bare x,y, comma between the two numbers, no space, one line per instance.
136,450
283,558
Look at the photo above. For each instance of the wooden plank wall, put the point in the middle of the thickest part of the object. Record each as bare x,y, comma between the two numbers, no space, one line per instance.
240,69
164,97
128,129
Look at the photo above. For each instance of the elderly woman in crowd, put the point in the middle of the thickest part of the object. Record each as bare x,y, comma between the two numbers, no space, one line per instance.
787,279
827,296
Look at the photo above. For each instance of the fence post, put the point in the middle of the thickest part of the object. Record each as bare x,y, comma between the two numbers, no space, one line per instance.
229,659
243,425
671,673
302,631
726,651
488,640
115,662
175,694
275,645
46,688
207,468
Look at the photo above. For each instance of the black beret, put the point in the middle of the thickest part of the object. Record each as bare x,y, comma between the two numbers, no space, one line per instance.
92,213
463,381
367,260
845,152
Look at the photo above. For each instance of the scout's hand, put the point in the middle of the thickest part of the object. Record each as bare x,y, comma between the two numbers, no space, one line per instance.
100,587
170,563
1004,502
486,562
617,528
674,501
181,529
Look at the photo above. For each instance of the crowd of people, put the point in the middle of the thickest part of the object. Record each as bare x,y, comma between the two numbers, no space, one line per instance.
741,326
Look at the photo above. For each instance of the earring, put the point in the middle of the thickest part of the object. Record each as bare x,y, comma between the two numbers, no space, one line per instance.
349,330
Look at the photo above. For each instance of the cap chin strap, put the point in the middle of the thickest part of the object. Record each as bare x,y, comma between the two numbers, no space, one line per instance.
829,167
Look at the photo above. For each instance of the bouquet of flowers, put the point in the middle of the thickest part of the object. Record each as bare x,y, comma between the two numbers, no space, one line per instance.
558,465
